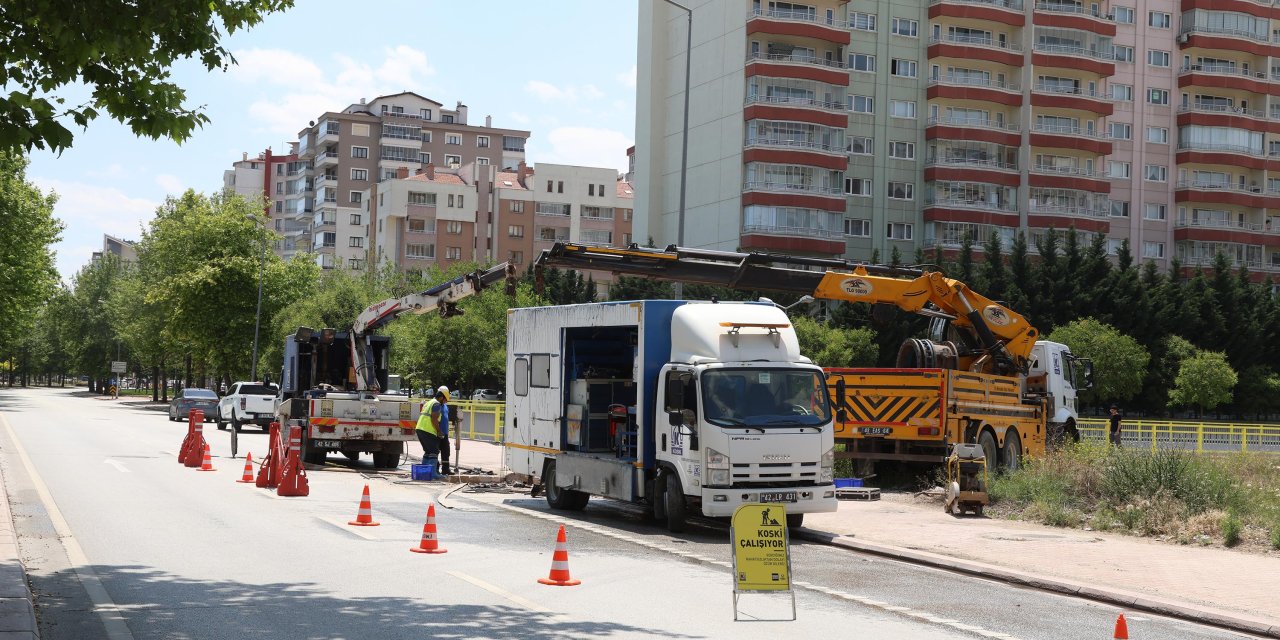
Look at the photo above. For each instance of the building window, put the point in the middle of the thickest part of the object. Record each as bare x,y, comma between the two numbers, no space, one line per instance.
1120,208
902,150
355,264
484,162
550,185
1155,212
512,143
482,142
903,68
425,114
626,239
428,199
1158,96
446,118
279,188
902,108
862,21
1122,170
1158,135
359,152
862,104
424,157
905,27
899,231
1122,53
355,241
1121,131
859,146
279,209
1123,15
560,186
1153,250
857,228
452,138
360,175
517,206
451,200
453,226
417,225
857,187
901,191
1158,58
420,251
1122,92
515,257
862,62
453,253
426,136
1158,19
1156,173
356,197
452,161
355,219
328,239
596,236
591,190
515,231
626,214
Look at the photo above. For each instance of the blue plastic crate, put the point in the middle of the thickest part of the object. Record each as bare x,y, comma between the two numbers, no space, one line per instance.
848,483
423,471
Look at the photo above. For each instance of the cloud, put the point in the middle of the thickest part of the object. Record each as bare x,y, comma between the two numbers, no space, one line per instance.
628,78
547,92
88,211
519,118
586,146
171,184
300,89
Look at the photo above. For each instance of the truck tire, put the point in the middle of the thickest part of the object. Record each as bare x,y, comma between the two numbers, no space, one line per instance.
381,459
561,498
992,452
353,456
1011,454
311,455
674,504
659,498
795,520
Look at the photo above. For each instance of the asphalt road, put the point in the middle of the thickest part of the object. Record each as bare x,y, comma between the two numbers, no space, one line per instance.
122,542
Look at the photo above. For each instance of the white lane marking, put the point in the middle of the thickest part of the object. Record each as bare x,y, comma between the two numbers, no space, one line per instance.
884,606
117,464
500,591
112,619
360,532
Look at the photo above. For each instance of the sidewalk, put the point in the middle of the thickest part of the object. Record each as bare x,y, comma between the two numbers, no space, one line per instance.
17,610
1217,586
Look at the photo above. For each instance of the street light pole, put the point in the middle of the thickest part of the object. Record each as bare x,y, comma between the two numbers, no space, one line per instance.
678,287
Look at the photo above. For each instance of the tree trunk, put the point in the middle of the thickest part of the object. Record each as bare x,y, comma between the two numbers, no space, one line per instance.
155,383
187,377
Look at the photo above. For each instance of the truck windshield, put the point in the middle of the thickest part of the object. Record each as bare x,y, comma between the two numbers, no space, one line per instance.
765,397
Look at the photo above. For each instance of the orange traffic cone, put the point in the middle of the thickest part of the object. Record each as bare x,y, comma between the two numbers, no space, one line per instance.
559,576
248,469
364,518
207,464
429,543
1122,629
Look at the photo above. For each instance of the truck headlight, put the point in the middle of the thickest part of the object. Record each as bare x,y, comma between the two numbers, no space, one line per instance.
717,460
718,477
827,467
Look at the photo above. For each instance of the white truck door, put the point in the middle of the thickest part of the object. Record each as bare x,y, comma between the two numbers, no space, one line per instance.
676,426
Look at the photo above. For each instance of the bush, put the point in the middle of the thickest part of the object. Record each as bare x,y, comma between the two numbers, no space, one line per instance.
1231,530
1197,482
1275,536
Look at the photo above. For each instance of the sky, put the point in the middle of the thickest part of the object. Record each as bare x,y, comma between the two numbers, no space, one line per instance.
562,69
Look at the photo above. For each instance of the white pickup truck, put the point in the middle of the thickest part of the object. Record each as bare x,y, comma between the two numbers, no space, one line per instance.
247,403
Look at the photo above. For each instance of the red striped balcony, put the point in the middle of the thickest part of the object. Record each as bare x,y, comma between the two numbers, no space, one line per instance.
1003,11
1246,7
985,90
1073,16
976,48
803,67
1192,191
803,24
970,129
1226,76
1072,57
1056,97
1068,178
1234,117
1069,137
1227,39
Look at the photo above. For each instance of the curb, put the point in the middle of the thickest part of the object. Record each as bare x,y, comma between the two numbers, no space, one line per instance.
17,606
1127,599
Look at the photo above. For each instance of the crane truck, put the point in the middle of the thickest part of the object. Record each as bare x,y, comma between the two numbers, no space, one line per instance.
684,407
982,375
334,381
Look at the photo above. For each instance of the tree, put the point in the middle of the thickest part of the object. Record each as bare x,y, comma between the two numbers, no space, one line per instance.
27,231
1258,392
829,346
89,327
122,52
1119,362
993,268
1204,381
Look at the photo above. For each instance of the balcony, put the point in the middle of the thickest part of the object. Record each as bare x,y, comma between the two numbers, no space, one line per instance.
1238,40
975,88
1074,211
1089,219
805,60
1070,56
1078,178
1225,76
790,187
328,136
795,232
971,204
1003,11
1058,96
976,163
1069,137
1069,15
326,181
999,51
975,123
1216,115
326,159
1197,191
805,24
1233,225
980,130
797,101
961,168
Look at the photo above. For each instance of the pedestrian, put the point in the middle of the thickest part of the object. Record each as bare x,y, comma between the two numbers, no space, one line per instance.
442,394
1115,425
428,429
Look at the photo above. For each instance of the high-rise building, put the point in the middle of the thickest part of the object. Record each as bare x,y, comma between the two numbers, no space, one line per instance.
266,177
843,128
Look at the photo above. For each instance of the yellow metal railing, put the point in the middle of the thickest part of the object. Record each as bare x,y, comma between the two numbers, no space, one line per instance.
1200,437
480,420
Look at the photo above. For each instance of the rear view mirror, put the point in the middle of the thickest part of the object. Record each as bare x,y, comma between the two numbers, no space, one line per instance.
675,418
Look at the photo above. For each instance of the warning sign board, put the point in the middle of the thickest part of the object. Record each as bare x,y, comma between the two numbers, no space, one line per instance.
761,557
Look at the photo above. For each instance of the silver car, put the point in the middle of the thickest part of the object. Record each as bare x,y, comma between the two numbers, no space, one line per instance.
191,398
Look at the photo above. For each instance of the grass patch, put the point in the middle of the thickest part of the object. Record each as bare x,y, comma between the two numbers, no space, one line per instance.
1188,497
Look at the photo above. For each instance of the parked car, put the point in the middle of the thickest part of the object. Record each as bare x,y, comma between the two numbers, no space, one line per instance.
192,398
488,395
248,403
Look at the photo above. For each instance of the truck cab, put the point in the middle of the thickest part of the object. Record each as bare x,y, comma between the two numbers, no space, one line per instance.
1059,376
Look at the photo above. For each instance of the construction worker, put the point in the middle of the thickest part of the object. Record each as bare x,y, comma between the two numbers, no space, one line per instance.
442,394
428,429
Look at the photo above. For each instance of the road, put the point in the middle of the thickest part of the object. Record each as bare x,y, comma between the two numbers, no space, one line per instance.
123,542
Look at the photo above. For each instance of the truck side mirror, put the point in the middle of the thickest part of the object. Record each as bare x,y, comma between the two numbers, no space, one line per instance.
675,418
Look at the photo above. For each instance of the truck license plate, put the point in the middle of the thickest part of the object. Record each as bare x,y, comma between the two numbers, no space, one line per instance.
780,496
333,444
875,431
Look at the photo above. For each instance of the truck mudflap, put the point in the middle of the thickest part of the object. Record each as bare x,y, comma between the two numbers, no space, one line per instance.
717,503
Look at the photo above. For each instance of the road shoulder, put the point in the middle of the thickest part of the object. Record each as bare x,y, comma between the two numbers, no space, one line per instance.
17,606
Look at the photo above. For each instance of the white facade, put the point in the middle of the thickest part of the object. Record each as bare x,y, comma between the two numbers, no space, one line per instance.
244,178
588,196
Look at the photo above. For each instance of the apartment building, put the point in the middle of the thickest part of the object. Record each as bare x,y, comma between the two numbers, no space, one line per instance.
438,216
847,127
120,248
267,177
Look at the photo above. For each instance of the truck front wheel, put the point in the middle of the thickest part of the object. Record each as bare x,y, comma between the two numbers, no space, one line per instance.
675,506
795,520
559,497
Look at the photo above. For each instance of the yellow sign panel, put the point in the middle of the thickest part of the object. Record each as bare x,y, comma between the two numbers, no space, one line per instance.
761,558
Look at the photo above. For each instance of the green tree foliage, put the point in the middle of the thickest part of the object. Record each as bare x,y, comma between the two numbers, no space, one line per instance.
1119,362
1204,381
1258,391
121,51
829,346
89,327
27,231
